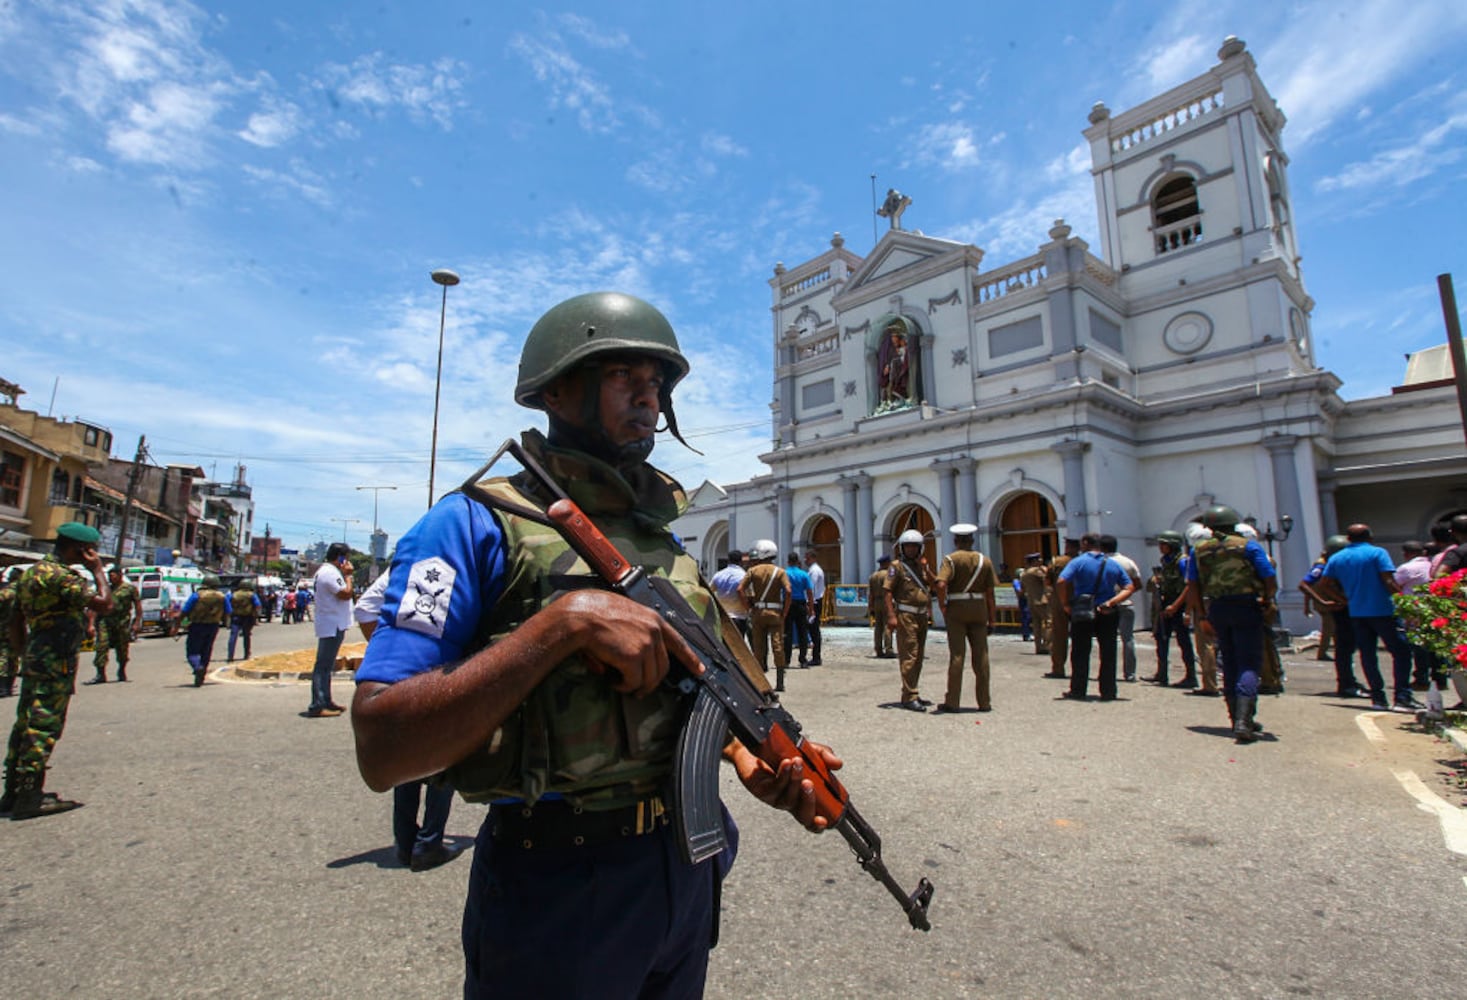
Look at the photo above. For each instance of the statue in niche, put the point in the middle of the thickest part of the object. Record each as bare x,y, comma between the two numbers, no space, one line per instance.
893,369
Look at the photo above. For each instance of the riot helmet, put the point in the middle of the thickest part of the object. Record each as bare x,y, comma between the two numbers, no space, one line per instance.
1220,517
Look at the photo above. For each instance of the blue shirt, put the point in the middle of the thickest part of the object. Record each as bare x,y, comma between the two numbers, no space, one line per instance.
448,573
1315,572
1091,572
799,583
1357,569
1257,558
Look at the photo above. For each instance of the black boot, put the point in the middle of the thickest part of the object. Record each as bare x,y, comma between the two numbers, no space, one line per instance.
31,802
779,678
1244,730
7,685
122,672
7,800
1190,680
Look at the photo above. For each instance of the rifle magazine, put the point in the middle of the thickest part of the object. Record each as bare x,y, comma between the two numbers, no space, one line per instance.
699,814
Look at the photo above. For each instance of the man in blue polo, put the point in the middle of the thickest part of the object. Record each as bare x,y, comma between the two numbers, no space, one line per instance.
1235,579
797,621
1363,575
1105,584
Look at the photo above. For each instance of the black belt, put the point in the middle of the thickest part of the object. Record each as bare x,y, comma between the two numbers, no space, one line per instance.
556,824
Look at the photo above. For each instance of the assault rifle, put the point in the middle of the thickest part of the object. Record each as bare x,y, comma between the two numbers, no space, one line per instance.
725,697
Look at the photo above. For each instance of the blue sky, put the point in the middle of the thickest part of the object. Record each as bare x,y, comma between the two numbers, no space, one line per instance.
219,218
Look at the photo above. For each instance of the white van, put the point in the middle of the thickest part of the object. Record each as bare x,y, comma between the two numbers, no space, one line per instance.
163,589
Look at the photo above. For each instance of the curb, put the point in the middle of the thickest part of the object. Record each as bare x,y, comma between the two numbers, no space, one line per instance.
1457,736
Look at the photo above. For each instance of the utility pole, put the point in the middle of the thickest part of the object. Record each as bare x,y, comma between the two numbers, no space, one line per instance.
1454,342
133,476
344,522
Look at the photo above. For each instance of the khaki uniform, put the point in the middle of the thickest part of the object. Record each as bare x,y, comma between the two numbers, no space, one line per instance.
766,586
876,607
909,590
1059,622
969,580
1031,581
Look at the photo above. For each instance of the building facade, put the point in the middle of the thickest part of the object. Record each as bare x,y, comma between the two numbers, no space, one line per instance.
1123,389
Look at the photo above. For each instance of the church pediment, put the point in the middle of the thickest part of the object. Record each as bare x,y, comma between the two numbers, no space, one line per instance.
900,258
706,494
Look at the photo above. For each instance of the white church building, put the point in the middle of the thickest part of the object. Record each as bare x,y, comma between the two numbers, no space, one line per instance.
1123,388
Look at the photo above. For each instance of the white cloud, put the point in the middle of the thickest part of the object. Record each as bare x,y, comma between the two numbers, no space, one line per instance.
1018,231
1403,165
1076,161
586,30
949,145
299,179
18,126
1175,60
278,123
424,91
716,144
167,126
572,85
83,165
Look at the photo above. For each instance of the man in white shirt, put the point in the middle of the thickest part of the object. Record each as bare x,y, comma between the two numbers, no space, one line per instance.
1125,610
817,598
725,584
333,617
1412,575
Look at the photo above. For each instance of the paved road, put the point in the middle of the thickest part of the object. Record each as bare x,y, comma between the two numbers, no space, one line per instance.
1130,849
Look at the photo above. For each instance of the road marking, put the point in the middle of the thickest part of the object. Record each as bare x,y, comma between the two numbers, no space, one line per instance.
1453,820
1367,725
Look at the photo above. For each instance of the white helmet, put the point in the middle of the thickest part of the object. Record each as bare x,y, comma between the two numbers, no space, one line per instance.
1197,533
764,549
910,537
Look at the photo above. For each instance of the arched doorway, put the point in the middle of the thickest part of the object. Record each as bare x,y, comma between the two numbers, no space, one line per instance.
715,548
913,516
823,538
1027,525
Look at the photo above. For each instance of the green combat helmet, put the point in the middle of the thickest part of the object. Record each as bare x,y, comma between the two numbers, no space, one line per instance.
1172,538
587,326
1335,543
211,581
1220,518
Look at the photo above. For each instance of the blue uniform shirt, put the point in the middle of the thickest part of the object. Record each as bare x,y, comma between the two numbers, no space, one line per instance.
447,574
1091,572
1315,572
1357,569
1257,558
799,583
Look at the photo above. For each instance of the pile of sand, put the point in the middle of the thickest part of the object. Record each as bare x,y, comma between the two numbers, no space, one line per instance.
302,661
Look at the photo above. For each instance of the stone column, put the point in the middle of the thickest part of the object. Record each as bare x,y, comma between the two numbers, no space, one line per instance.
968,489
1077,518
1329,516
850,541
784,521
733,527
1293,552
947,496
928,372
865,526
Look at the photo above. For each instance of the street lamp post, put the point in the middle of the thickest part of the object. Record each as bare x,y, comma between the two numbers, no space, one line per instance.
344,522
446,278
376,491
1286,524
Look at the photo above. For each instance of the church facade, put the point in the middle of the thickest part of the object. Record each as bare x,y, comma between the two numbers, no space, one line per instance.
1123,388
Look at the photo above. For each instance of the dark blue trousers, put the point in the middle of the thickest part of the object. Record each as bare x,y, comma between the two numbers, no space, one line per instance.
1166,628
1238,622
1384,627
409,837
1344,652
627,920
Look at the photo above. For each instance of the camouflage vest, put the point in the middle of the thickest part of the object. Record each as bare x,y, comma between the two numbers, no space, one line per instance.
1172,581
243,602
574,735
1223,567
208,609
124,597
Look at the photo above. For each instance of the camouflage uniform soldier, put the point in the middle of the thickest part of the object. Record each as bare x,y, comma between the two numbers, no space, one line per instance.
876,608
1037,594
9,653
1171,619
501,659
965,583
116,628
53,602
206,610
766,588
909,612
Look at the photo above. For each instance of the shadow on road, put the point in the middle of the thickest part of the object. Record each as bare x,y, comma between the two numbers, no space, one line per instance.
386,857
1226,732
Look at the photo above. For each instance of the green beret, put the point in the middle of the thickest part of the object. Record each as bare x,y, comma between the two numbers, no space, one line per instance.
75,531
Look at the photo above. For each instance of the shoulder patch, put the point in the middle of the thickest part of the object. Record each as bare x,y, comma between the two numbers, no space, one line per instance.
425,601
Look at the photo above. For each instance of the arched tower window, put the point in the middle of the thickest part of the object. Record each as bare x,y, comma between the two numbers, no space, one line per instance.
1176,217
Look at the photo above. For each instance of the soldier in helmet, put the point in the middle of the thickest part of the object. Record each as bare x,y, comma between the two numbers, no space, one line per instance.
908,597
500,659
1336,610
53,600
1171,621
206,610
766,589
9,611
1233,580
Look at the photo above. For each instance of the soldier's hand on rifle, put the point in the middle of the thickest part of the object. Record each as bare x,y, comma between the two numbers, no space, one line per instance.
636,644
786,787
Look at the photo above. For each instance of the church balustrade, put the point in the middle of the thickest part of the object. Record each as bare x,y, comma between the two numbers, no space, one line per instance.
1167,121
804,284
1178,234
817,347
1099,270
1015,277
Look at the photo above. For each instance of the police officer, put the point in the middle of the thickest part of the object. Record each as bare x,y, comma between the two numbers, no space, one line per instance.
1230,588
1171,621
908,597
1059,618
876,607
117,628
1031,581
766,588
53,601
500,658
244,609
206,610
965,583
9,610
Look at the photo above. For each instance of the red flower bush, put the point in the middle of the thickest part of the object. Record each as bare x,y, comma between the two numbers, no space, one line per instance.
1436,616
